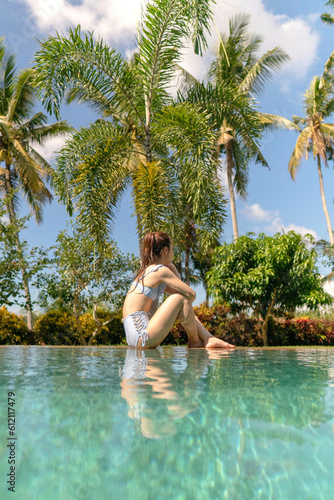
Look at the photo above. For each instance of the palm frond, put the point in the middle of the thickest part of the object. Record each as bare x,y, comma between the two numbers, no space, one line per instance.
22,100
2,49
185,129
238,25
64,63
327,129
185,80
298,120
40,134
151,193
212,215
163,30
262,70
7,72
91,174
94,97
36,199
241,176
327,18
299,151
329,65
328,107
30,178
273,122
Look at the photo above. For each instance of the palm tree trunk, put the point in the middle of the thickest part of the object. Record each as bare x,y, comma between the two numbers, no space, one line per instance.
186,266
12,218
148,142
140,235
77,310
230,165
324,205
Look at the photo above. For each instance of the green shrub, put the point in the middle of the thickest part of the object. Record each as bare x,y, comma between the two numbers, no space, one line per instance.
301,331
111,334
243,330
13,329
59,328
56,328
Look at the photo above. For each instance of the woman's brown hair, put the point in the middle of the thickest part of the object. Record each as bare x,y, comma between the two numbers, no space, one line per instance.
153,243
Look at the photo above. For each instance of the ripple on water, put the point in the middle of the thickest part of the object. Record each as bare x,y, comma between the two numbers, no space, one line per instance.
171,423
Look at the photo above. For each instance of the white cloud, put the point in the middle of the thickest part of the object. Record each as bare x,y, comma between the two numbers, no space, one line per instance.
277,226
257,213
51,146
274,222
116,21
113,19
295,35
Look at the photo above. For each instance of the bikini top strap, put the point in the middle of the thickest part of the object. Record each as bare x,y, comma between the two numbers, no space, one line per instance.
153,269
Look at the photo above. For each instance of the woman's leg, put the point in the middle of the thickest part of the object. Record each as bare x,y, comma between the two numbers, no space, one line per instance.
164,318
209,340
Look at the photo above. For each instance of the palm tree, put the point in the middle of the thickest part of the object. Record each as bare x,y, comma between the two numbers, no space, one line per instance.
237,65
143,139
24,169
328,17
237,127
315,135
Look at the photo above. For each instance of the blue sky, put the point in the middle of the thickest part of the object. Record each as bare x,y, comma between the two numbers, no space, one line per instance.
275,201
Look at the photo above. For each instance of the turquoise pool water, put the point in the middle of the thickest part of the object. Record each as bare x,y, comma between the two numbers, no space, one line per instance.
169,423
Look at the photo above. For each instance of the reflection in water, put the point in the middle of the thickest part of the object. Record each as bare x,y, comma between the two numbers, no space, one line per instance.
146,379
171,423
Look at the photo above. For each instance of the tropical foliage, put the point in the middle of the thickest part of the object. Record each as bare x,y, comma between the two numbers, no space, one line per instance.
24,168
235,75
267,274
9,268
87,276
13,329
12,258
143,140
328,17
316,136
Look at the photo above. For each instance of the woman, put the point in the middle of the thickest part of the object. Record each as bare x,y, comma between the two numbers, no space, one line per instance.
145,326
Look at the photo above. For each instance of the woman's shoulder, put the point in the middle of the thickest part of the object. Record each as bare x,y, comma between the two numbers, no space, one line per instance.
152,268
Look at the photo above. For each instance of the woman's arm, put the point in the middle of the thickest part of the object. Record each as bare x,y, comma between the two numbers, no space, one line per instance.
174,284
168,288
172,267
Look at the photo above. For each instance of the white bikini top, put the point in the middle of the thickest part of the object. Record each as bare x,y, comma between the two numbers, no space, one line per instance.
152,293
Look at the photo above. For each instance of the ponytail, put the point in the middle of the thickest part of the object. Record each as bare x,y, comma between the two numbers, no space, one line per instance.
153,243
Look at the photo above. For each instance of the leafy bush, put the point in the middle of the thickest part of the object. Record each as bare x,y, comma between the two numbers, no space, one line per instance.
243,330
111,334
13,329
301,331
59,328
56,328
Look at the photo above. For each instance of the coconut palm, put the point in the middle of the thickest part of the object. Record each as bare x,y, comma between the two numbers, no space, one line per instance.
237,64
328,17
24,169
143,139
316,136
235,75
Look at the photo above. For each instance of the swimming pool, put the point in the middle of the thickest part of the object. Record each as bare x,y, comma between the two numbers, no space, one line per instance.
168,423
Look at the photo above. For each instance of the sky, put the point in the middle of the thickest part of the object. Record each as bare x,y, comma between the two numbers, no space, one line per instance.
275,202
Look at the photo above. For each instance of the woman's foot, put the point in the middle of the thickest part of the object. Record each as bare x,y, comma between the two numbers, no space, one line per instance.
213,342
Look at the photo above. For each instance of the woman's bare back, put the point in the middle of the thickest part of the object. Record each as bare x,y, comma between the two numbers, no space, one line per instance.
136,300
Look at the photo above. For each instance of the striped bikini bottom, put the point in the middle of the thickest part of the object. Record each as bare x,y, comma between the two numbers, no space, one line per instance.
135,326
